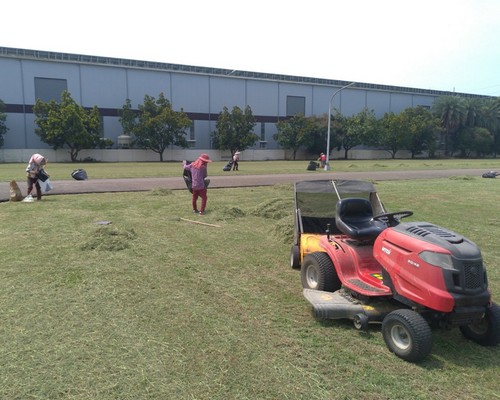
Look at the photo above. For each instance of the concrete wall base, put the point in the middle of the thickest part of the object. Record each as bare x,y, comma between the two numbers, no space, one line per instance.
140,155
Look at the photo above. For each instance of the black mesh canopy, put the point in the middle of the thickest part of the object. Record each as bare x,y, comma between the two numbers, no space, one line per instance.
315,202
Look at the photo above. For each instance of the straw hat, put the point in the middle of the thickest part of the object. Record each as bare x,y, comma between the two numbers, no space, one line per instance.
205,158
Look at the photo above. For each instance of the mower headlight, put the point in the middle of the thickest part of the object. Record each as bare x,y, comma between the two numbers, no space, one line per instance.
437,259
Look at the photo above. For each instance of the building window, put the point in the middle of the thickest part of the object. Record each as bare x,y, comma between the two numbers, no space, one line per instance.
263,142
295,105
191,132
192,137
47,89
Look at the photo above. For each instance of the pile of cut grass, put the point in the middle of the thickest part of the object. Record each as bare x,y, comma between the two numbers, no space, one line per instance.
109,238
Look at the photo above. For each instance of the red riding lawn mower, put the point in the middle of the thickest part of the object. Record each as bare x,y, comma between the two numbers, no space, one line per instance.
362,263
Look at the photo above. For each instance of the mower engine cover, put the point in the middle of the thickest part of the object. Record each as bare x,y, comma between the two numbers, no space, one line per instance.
432,266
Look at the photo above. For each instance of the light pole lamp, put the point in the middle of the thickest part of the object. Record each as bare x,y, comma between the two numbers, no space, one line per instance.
327,165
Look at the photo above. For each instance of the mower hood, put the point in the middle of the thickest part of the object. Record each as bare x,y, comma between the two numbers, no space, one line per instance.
458,246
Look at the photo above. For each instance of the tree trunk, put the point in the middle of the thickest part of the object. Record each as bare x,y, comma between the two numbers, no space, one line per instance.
73,153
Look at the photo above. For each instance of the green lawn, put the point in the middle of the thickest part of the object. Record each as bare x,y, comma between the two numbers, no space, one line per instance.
153,306
59,171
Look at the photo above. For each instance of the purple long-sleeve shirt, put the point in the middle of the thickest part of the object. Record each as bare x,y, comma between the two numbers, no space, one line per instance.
198,176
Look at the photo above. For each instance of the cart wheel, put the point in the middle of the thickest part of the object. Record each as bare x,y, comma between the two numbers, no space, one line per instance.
360,322
407,334
295,257
318,272
487,331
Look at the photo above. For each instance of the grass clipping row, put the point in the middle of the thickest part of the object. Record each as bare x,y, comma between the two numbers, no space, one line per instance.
281,211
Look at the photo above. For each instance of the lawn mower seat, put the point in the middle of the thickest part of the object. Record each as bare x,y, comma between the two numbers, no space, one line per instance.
354,218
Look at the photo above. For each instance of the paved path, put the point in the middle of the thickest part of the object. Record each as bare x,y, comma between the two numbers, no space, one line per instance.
232,180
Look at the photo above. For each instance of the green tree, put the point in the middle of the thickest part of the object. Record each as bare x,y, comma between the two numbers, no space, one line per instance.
464,141
452,111
158,125
473,112
127,118
294,133
392,135
355,130
483,141
474,140
3,126
67,124
490,119
422,129
315,142
234,130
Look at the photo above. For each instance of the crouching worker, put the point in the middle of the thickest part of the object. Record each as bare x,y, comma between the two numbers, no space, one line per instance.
36,163
199,172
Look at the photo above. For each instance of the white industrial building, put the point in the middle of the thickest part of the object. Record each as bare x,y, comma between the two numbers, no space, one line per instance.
201,92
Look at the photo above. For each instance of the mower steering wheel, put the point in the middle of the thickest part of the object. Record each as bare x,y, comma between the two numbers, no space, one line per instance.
393,218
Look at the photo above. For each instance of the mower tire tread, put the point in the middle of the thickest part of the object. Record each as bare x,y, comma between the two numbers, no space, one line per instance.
487,332
295,257
318,272
407,334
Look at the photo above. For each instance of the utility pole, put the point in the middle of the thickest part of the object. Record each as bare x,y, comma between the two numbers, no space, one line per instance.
327,164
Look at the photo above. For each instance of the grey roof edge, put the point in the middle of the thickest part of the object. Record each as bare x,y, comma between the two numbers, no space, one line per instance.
10,52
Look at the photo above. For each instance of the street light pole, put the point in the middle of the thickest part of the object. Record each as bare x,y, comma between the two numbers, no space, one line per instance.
327,165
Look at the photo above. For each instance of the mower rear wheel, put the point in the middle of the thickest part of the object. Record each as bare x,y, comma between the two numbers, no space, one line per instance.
487,331
407,334
295,257
318,272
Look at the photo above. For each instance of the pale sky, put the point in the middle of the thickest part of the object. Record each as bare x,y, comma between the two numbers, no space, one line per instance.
451,45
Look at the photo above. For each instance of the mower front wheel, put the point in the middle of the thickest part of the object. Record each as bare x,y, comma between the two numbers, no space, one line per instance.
407,334
487,331
360,322
317,272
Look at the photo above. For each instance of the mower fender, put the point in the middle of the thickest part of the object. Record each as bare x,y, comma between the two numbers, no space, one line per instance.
309,243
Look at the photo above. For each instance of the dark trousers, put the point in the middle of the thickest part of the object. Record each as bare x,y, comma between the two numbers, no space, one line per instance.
34,182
